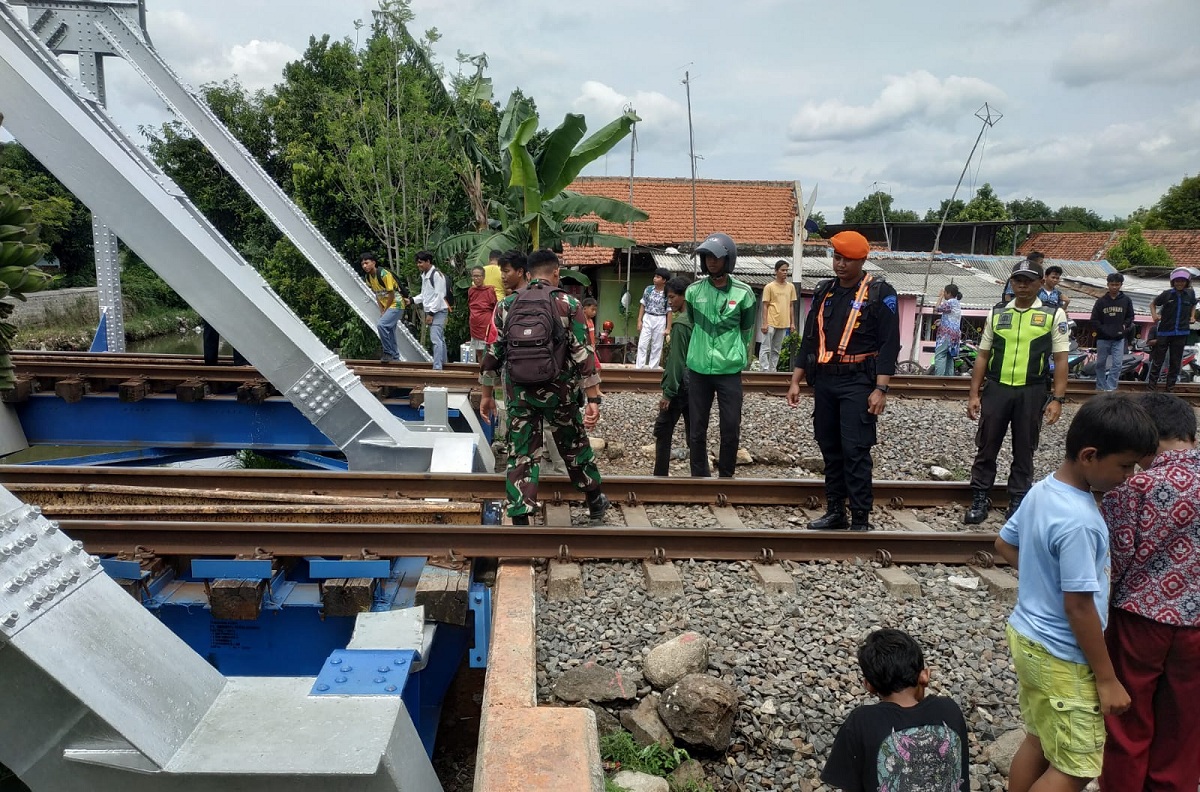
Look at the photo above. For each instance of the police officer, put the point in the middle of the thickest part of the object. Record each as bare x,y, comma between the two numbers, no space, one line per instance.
851,342
1014,353
555,403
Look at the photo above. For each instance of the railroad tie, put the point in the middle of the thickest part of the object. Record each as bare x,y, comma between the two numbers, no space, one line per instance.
907,519
662,580
564,581
999,583
898,583
727,517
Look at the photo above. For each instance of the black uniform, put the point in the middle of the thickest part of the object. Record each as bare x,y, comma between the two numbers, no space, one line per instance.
1174,326
842,426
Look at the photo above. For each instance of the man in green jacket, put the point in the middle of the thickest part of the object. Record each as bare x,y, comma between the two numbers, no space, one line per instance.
722,310
674,401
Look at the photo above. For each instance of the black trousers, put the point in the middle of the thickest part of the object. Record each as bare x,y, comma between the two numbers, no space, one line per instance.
845,432
212,346
728,390
1001,407
664,430
1168,344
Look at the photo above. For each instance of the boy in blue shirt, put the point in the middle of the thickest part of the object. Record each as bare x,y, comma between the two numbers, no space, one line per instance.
1059,542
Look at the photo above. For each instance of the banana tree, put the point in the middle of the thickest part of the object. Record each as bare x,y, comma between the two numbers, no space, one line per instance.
538,210
19,250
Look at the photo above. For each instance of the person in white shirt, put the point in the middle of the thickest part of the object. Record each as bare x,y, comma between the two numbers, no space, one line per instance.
432,300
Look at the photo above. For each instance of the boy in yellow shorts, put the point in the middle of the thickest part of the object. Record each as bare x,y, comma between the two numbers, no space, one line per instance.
1059,542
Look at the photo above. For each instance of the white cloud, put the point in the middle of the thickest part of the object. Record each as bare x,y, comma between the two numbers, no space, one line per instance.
663,126
914,97
1139,41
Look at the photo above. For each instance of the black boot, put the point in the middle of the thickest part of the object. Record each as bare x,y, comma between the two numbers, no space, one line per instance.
1014,503
597,504
860,519
980,503
834,518
521,520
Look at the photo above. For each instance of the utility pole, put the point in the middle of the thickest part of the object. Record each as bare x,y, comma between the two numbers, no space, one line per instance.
687,82
882,214
990,117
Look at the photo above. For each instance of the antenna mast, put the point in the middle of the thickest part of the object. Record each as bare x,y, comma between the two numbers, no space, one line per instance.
990,117
687,82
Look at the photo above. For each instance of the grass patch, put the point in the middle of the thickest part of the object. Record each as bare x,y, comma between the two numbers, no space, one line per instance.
620,752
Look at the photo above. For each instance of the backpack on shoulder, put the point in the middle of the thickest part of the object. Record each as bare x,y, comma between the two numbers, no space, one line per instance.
535,339
448,289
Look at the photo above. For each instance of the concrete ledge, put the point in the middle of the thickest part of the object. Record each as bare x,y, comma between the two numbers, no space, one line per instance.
898,583
1002,585
524,748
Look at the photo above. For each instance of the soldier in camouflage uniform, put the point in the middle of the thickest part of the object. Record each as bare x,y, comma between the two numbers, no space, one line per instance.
556,404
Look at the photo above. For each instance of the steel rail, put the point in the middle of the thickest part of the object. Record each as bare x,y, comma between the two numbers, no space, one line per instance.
408,375
472,541
632,490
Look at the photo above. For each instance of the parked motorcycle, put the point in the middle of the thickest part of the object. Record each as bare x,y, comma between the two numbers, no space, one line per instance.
1135,364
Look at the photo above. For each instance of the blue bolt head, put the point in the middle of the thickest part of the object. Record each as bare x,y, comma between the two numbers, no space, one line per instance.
322,687
346,669
384,669
335,661
340,680
390,688
380,680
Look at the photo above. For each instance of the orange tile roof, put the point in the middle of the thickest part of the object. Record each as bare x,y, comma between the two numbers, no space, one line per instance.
1184,246
752,212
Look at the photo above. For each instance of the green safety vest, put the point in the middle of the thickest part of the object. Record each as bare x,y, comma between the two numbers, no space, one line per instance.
1022,342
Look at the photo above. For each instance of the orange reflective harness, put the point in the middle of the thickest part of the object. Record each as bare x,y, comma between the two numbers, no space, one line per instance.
824,355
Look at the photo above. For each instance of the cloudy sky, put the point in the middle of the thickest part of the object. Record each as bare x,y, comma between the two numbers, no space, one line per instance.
1099,97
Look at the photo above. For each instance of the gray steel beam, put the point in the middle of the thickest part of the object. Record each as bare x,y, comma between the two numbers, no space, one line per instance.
110,27
66,129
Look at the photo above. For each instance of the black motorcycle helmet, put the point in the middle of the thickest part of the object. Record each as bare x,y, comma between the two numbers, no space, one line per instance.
718,246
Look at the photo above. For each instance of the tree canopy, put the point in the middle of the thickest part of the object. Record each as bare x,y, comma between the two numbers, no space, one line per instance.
1178,208
1132,250
874,208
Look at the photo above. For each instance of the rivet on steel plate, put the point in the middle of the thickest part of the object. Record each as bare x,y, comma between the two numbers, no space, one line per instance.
390,688
322,687
339,680
346,669
92,562
11,619
379,680
76,547
335,661
400,661
384,669
50,528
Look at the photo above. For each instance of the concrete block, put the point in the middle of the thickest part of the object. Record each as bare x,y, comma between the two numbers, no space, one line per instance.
908,521
662,580
728,517
898,583
558,514
565,582
1002,585
636,516
775,579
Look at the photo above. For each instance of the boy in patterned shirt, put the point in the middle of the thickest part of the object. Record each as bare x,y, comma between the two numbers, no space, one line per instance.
1154,626
1059,542
906,741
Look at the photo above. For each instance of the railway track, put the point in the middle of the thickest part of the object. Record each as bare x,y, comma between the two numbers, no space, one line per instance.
631,490
106,371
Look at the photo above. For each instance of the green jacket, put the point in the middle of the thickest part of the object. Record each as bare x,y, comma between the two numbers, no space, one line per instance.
674,376
723,326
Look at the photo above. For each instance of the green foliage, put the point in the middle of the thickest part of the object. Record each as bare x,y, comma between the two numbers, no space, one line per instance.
1029,208
1178,208
65,224
873,208
1134,251
143,290
537,210
619,749
984,206
935,215
1078,218
251,460
20,249
788,350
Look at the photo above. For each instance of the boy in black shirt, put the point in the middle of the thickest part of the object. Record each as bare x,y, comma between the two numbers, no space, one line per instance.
906,741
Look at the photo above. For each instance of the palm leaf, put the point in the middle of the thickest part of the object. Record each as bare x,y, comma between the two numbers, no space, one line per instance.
591,149
557,151
573,204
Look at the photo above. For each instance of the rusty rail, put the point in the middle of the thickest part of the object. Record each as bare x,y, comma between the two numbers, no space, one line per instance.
299,539
103,370
809,493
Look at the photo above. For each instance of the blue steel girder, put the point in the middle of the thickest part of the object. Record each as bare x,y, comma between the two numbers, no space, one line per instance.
164,421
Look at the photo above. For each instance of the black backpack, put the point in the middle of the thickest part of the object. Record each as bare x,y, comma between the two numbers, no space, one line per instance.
535,339
449,289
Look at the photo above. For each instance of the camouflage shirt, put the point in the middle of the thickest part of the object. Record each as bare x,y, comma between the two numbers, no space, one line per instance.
581,357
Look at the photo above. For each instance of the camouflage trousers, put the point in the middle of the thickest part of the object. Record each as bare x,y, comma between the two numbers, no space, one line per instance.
560,410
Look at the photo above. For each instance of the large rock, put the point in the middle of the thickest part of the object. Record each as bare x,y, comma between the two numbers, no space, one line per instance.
744,458
813,464
592,682
640,782
606,722
699,710
645,725
672,660
1001,752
